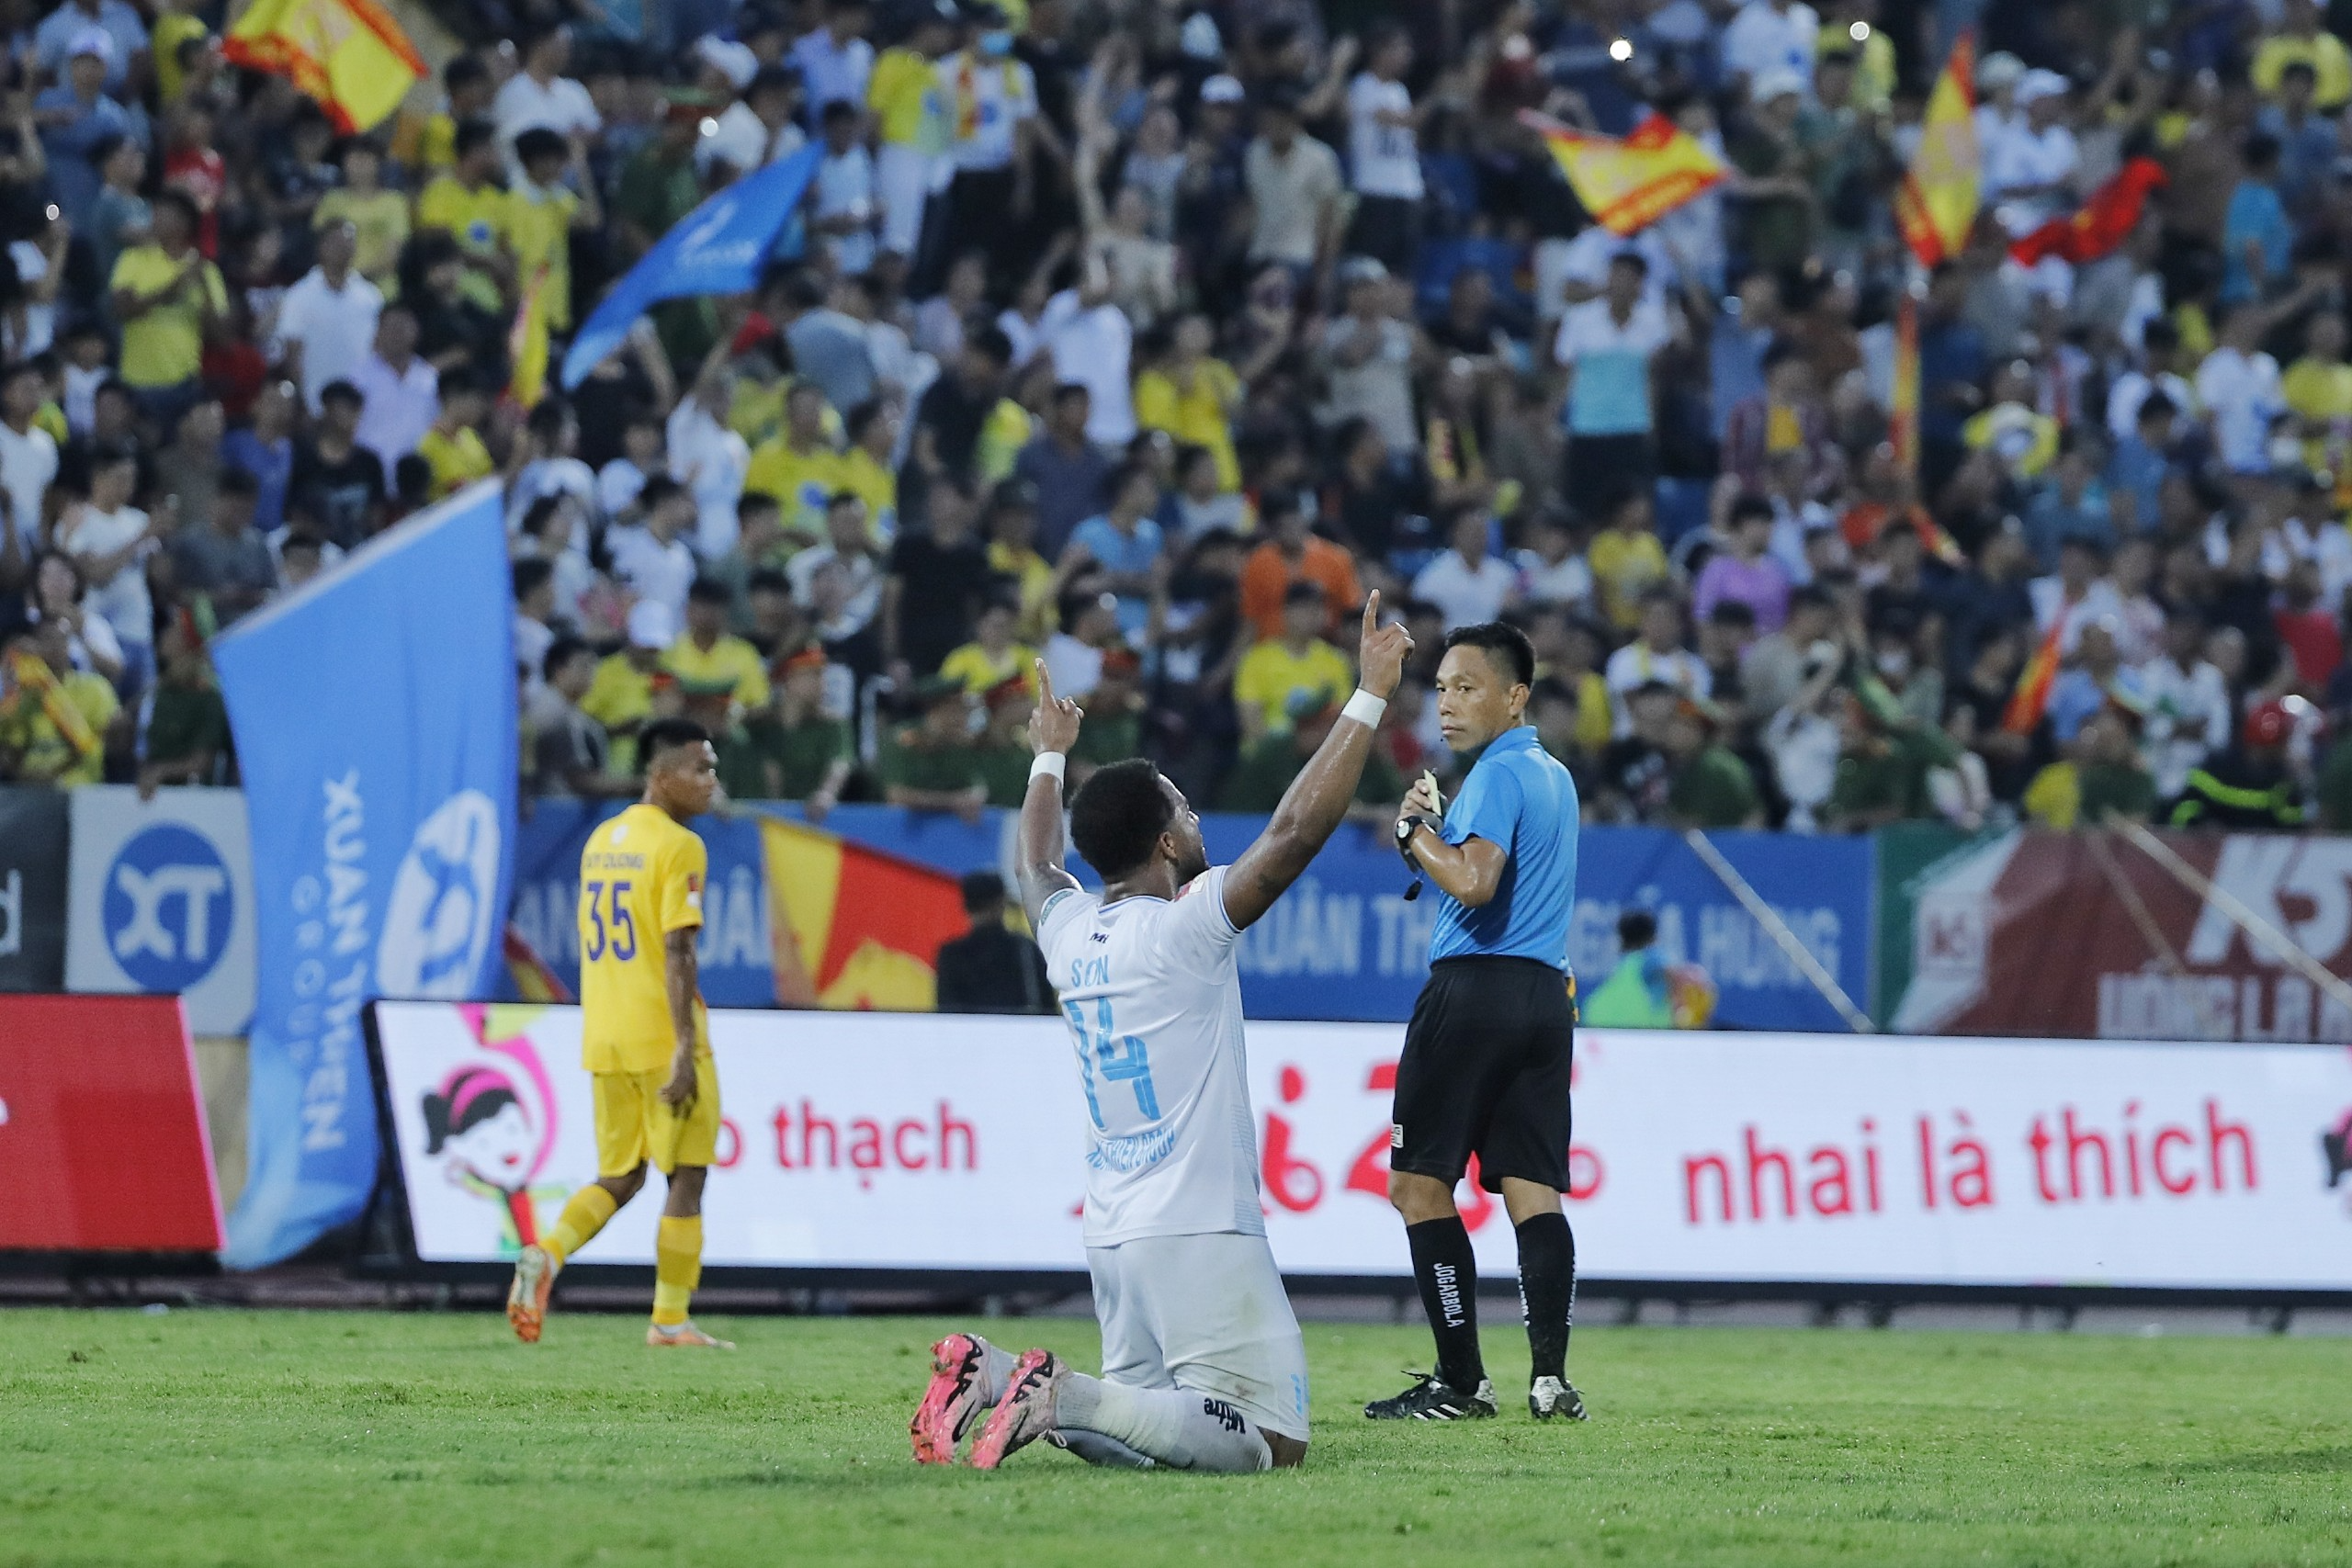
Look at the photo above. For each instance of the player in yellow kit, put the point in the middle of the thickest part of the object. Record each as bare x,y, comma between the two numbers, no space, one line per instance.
644,1035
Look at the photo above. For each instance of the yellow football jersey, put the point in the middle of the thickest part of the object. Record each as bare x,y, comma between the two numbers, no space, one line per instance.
640,878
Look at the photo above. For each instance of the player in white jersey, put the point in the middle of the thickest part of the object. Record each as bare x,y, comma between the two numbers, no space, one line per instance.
1203,1366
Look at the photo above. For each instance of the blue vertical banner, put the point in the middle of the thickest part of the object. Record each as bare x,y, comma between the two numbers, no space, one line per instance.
375,725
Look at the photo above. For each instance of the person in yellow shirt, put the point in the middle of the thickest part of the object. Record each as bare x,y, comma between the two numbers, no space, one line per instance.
167,296
1626,561
2301,40
452,445
798,466
865,470
1295,673
1193,397
1011,531
2318,388
176,23
429,142
708,661
472,207
620,694
995,654
542,212
644,1035
910,104
54,722
378,217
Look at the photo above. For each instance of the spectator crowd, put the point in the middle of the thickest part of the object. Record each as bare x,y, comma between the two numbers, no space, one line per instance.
1147,337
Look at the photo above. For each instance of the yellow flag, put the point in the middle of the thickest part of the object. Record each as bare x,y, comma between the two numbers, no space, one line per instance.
1630,183
1935,207
348,54
528,344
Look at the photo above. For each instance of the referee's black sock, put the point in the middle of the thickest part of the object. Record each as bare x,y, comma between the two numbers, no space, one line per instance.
1447,1272
1547,1290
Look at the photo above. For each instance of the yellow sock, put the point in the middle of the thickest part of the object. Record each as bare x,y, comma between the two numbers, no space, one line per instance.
582,1218
677,1268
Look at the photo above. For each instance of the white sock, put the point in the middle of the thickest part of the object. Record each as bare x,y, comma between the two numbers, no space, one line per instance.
1177,1428
996,1370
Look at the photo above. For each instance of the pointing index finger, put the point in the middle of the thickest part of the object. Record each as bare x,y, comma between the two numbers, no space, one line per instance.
1045,683
1372,613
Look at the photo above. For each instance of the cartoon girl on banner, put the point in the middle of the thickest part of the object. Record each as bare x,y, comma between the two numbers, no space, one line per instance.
481,1125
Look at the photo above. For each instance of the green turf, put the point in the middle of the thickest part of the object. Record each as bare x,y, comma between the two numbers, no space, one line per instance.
214,1436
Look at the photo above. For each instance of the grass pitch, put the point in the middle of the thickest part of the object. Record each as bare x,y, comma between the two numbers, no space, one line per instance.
217,1436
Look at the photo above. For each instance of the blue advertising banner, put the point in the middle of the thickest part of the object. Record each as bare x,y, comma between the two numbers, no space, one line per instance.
1344,943
718,248
375,721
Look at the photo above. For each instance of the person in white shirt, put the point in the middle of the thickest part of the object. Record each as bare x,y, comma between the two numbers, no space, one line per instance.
401,389
2077,595
761,126
110,540
2188,703
1773,35
327,321
709,460
651,559
27,462
849,548
1203,1364
1606,344
2159,342
1466,584
2030,165
847,214
2238,387
540,94
835,61
1654,657
1551,571
992,113
1384,154
1092,343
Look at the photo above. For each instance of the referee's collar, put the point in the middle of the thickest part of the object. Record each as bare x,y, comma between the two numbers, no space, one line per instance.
1518,737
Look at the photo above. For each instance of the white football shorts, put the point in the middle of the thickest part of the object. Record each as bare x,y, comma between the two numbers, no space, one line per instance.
1206,1313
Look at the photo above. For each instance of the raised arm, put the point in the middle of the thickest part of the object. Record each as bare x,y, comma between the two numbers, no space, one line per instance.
1319,798
1053,727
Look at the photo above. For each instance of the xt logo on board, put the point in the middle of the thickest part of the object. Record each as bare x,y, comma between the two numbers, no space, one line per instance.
168,909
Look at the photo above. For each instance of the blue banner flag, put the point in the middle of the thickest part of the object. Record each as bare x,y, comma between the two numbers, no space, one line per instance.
720,247
375,721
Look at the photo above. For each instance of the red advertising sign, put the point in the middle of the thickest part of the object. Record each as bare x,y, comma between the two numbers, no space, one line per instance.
2084,934
103,1145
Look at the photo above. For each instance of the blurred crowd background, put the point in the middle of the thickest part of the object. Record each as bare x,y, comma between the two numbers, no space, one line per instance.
1148,336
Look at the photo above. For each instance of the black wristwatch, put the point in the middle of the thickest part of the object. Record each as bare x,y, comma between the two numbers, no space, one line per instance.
1407,826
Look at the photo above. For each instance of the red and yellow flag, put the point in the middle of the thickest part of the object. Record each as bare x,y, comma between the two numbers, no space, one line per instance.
1629,184
852,927
2031,699
535,981
350,54
1935,207
2102,223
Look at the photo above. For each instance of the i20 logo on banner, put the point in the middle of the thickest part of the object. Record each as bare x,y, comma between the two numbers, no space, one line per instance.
162,901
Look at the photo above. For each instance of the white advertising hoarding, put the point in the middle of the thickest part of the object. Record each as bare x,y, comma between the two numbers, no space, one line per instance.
160,900
872,1141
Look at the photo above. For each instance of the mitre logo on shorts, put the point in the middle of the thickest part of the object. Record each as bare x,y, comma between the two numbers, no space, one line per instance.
168,907
437,923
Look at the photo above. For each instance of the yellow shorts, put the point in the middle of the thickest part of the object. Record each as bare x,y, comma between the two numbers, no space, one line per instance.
634,1126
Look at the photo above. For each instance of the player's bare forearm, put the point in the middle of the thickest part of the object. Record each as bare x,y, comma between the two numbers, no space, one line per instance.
1053,727
1468,872
1311,810
685,982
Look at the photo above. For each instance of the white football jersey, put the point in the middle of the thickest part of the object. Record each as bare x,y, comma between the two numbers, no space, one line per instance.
1153,997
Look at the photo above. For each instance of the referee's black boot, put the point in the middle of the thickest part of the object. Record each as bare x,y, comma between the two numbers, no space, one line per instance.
1430,1399
1548,1397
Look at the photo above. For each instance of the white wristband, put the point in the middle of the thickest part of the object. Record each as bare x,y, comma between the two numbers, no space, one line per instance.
1050,763
1365,708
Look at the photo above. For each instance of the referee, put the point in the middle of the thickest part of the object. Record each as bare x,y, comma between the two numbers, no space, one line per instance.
1485,1066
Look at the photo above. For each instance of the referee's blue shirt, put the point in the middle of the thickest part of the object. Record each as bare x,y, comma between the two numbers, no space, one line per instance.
1518,797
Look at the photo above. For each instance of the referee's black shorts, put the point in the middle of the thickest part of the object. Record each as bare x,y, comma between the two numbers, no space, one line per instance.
1485,1072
